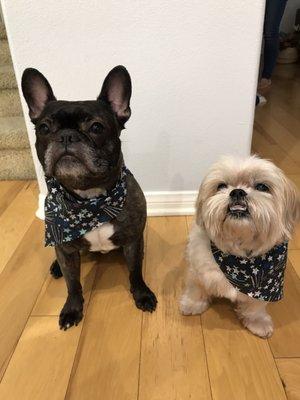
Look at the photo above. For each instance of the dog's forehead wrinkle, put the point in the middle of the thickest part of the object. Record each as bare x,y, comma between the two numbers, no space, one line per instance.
76,110
72,115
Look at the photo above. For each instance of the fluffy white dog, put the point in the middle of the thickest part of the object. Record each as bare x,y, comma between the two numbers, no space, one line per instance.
245,214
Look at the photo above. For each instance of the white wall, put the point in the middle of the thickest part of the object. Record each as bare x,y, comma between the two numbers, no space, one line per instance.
288,19
193,65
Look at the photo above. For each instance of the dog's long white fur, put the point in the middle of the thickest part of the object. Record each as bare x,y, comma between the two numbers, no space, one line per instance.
272,218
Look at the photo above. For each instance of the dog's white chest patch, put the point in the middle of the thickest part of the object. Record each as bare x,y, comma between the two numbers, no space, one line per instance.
99,238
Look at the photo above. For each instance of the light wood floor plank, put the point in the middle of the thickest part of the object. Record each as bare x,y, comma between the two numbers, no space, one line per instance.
262,131
277,102
284,117
294,257
286,316
15,221
173,364
240,364
287,91
274,153
282,137
107,362
8,191
20,284
289,369
41,364
294,244
54,292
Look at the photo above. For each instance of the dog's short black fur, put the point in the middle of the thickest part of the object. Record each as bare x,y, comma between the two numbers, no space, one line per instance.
78,143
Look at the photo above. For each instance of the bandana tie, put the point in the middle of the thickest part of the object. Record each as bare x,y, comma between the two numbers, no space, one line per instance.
258,277
68,218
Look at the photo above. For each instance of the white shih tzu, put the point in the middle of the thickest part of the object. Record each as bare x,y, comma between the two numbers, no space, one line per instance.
245,214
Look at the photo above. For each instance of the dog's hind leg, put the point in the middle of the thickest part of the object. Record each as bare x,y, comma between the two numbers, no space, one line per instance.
55,270
195,299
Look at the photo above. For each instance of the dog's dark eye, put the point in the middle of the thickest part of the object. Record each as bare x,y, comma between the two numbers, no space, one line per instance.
96,127
261,187
222,186
44,128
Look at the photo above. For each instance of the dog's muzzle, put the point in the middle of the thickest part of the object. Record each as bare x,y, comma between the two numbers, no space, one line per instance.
238,207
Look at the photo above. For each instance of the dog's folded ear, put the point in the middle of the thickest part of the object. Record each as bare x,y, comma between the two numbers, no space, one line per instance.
116,91
37,92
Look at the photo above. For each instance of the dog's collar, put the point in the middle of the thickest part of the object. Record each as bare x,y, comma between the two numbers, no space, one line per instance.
68,218
259,277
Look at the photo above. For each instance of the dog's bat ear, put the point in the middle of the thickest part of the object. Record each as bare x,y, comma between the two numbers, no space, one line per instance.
116,91
37,91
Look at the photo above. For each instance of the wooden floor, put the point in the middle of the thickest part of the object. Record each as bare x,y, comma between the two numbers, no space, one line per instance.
120,353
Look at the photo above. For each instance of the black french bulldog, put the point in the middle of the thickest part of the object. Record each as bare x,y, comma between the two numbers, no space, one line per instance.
78,145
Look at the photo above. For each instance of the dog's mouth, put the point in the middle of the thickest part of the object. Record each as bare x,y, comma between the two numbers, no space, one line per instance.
238,210
69,159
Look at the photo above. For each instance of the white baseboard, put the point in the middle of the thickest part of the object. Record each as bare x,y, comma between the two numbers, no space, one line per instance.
40,212
171,203
158,203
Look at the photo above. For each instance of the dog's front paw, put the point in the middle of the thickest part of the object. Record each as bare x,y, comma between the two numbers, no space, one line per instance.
71,313
189,307
219,286
144,298
262,327
55,270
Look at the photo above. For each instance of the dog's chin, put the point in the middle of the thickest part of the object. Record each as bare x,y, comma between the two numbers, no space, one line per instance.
73,174
68,166
69,171
231,226
242,233
238,224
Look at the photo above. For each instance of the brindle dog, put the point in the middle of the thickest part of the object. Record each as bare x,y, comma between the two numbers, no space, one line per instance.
78,143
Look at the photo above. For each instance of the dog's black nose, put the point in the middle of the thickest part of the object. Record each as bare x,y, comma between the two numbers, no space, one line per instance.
68,136
237,194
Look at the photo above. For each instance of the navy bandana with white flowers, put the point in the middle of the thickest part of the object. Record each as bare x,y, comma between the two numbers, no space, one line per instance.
68,218
259,277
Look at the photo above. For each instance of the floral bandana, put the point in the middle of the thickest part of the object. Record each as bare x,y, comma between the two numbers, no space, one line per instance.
259,277
68,218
